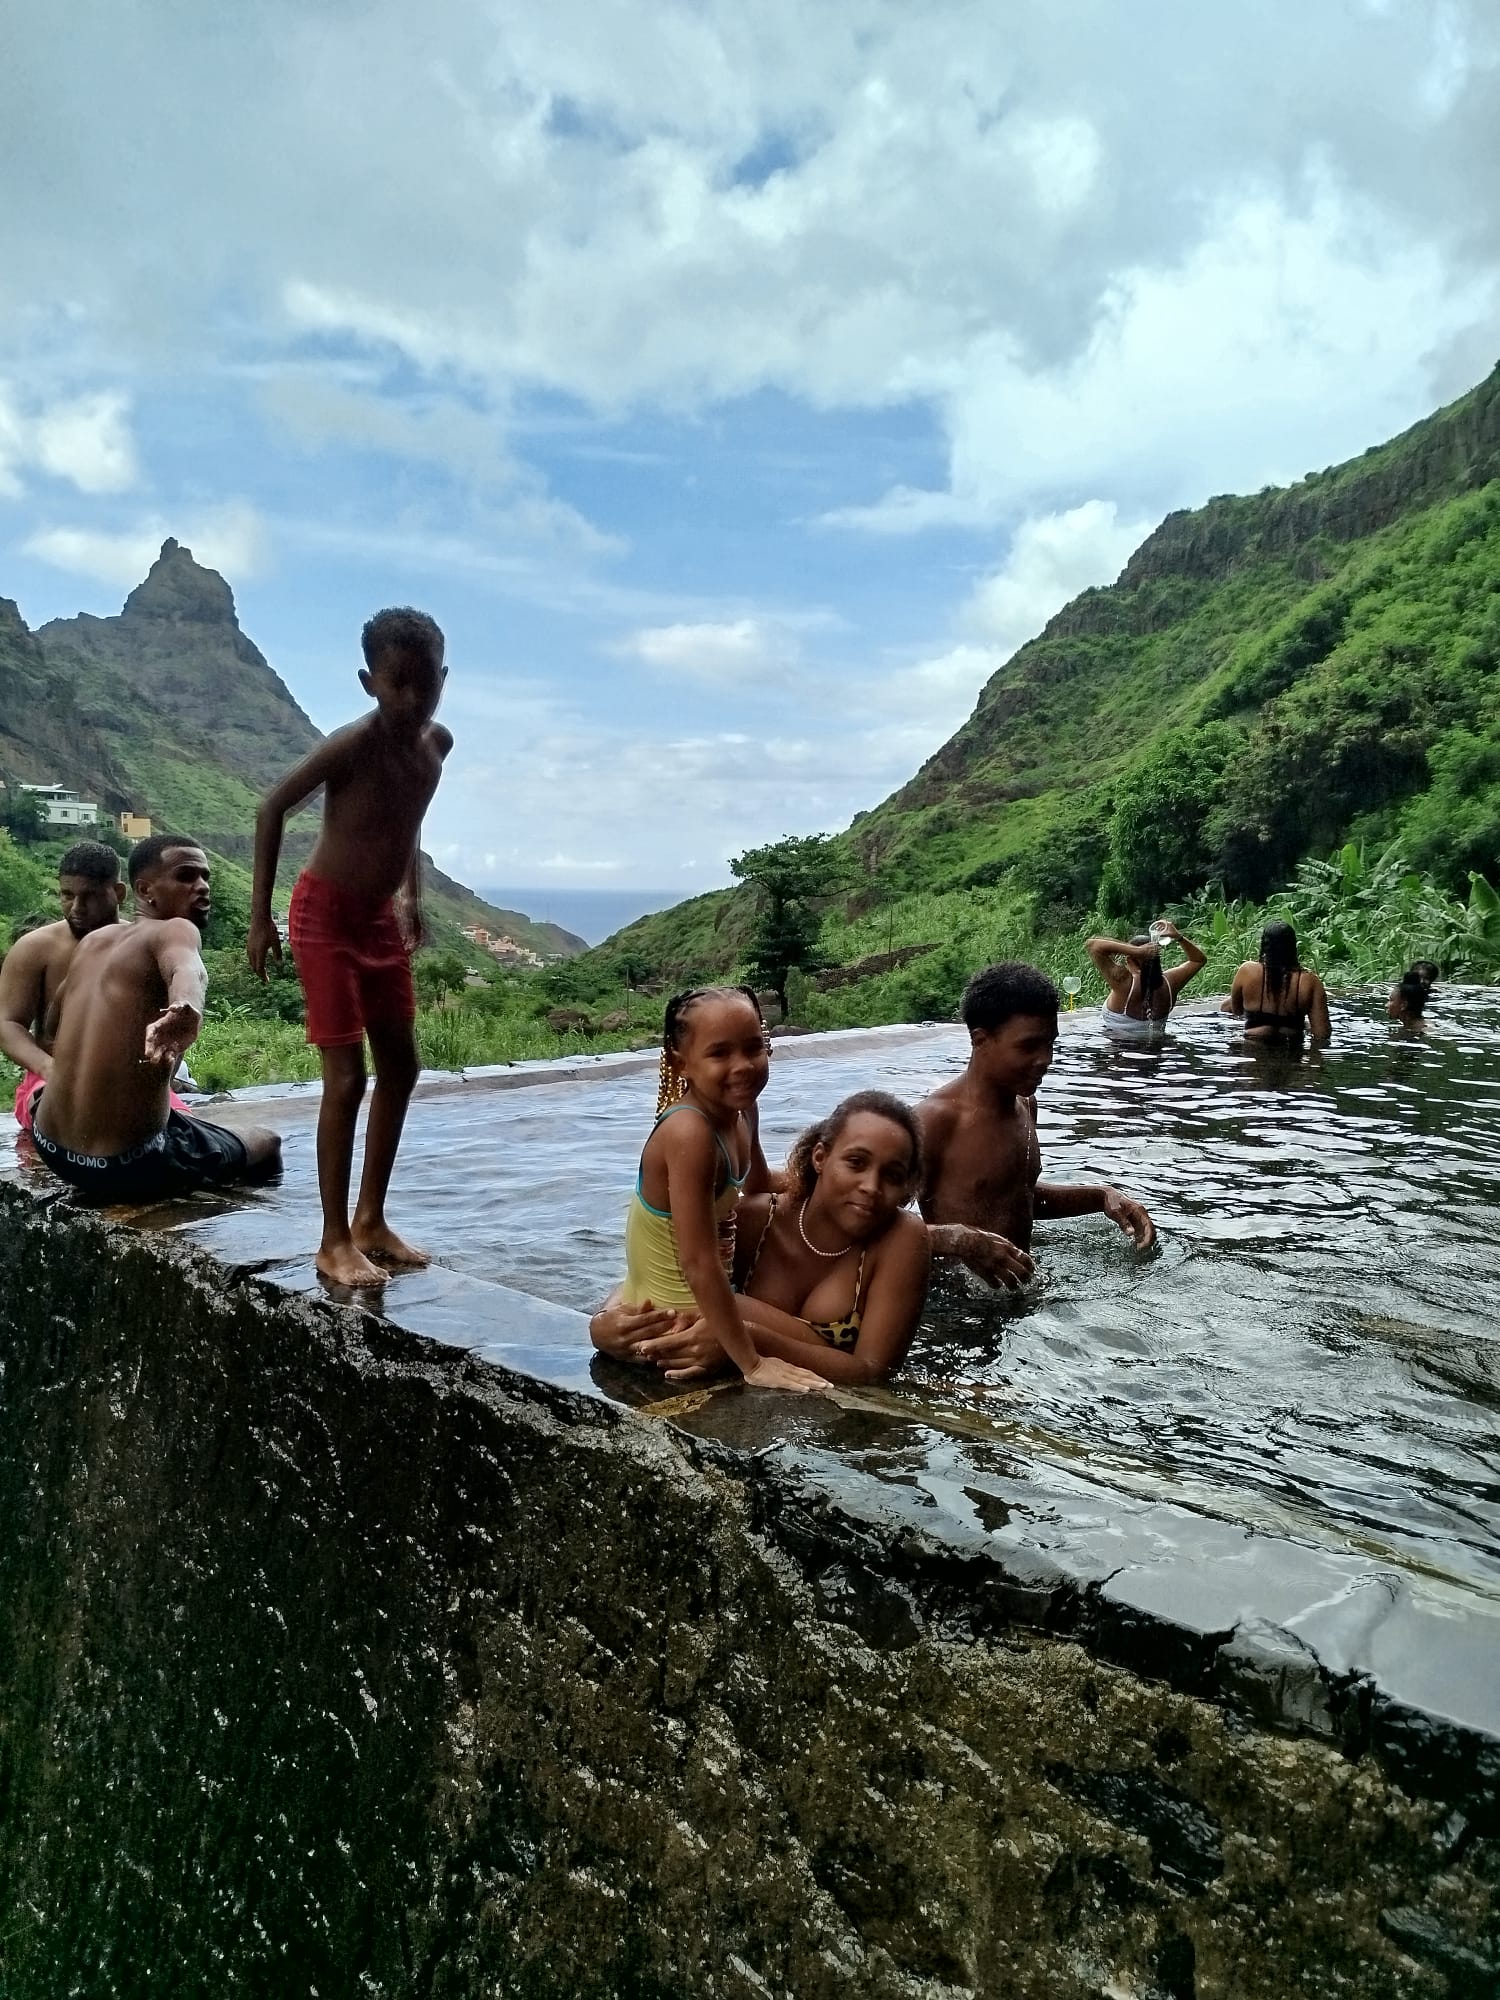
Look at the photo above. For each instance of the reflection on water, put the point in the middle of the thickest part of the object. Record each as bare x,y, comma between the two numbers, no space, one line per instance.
1316,1338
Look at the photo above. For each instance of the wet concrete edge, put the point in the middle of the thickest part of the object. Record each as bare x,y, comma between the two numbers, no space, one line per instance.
1336,1658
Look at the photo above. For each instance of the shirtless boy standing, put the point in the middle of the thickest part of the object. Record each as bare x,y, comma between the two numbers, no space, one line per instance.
350,941
91,890
979,1132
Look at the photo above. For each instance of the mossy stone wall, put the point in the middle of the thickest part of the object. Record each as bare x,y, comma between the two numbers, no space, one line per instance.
338,1663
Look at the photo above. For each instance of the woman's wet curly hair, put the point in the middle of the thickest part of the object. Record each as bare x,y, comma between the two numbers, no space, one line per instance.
800,1176
669,1087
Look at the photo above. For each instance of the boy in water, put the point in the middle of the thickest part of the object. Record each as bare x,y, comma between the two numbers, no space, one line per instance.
351,940
983,1162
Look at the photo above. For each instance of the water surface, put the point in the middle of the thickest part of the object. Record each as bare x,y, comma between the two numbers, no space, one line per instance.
1313,1346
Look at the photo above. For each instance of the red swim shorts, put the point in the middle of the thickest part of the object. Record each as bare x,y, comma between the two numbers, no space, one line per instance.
26,1095
352,961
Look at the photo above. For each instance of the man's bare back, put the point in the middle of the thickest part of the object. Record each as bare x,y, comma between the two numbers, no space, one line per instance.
30,981
103,1095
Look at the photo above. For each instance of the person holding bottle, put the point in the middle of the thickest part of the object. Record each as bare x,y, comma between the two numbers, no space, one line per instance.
1142,992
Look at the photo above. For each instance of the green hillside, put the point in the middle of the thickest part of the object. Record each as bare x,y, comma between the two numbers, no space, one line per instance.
1270,677
170,710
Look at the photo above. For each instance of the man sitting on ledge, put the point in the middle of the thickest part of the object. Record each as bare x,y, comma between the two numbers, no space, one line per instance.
131,1004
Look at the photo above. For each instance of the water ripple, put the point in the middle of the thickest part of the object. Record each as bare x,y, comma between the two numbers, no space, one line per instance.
1317,1332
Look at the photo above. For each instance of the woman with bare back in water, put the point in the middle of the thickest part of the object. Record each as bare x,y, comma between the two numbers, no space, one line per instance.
1276,996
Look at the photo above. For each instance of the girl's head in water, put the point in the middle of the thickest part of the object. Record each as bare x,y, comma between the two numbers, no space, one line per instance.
863,1162
1278,957
1414,989
714,1049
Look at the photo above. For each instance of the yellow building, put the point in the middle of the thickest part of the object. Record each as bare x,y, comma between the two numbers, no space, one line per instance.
135,826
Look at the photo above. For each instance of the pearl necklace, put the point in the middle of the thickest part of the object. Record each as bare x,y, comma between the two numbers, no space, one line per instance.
802,1232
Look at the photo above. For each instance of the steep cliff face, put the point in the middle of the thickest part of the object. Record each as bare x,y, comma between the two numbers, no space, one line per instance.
177,643
340,1659
1366,588
46,733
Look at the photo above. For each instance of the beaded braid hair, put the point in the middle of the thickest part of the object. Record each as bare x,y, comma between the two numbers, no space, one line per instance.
801,1175
670,1087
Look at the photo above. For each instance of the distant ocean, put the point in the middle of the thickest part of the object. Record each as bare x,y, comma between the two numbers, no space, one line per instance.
592,914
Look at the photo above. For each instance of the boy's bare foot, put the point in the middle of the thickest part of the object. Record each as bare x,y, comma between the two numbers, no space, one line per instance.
344,1264
380,1241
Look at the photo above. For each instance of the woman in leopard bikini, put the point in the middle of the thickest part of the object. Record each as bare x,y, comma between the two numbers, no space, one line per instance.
831,1270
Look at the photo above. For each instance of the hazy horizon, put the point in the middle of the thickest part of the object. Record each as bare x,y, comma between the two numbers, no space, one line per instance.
592,914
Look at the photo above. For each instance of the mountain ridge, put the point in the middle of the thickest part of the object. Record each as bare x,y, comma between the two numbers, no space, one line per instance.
1269,675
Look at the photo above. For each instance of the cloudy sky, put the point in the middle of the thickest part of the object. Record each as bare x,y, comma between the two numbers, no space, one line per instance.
737,385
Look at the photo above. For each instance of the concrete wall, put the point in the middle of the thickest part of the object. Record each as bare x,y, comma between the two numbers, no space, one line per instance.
336,1662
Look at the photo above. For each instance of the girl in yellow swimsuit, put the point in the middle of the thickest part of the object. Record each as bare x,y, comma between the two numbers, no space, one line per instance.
832,1272
680,1225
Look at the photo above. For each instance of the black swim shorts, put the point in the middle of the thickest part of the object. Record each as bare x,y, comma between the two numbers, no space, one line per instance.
187,1154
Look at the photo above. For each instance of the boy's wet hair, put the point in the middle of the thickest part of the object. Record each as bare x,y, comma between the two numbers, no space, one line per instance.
669,1084
403,632
800,1177
146,853
90,861
994,996
1414,989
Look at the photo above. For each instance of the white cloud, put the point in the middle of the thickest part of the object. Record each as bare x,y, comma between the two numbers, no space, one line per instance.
321,409
88,441
712,652
1051,558
572,197
1277,344
231,539
85,440
912,709
1064,155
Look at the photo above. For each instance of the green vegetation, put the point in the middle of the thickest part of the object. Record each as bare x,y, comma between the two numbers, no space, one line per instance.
1271,677
792,877
28,889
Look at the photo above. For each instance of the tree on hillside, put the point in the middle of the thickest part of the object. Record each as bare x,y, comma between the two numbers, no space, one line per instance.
436,974
1160,836
791,875
23,816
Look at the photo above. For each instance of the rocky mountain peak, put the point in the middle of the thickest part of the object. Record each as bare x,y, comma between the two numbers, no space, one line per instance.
182,591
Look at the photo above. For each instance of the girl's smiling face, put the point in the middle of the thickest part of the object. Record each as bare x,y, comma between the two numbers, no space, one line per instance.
721,1052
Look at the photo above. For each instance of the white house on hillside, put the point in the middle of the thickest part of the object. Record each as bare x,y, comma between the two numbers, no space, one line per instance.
62,807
